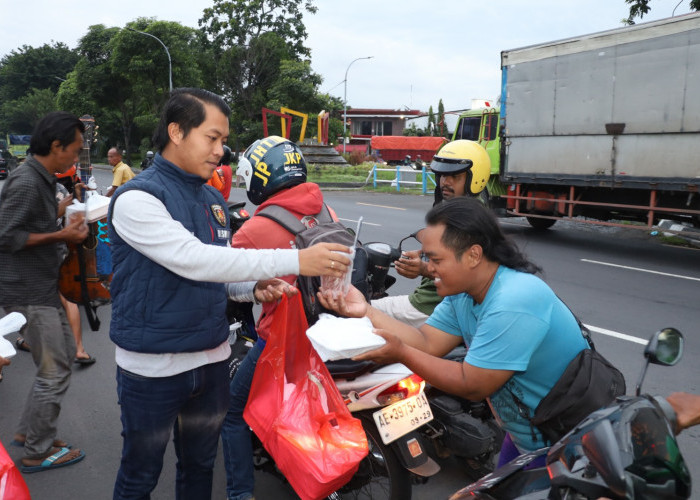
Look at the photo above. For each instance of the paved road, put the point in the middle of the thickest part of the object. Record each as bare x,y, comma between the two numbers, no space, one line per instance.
617,281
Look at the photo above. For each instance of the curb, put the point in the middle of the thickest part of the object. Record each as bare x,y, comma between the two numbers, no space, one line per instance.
672,228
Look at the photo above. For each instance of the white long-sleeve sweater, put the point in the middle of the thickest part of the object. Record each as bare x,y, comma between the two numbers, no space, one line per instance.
143,222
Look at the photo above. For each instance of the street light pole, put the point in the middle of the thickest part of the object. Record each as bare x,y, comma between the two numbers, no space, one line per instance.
170,64
345,98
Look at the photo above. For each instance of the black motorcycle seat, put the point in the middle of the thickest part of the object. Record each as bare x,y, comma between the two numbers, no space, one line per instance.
347,368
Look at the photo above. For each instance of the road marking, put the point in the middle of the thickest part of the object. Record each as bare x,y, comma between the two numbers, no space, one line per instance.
502,222
363,222
380,206
622,336
641,270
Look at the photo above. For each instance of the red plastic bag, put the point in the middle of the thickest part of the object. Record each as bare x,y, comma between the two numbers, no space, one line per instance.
12,485
297,412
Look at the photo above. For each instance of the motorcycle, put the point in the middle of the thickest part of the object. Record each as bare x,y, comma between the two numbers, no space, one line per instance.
392,406
626,450
237,214
461,428
388,400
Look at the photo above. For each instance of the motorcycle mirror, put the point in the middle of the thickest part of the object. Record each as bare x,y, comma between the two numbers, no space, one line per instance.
416,235
665,347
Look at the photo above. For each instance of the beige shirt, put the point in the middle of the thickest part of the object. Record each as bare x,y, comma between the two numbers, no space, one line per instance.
121,173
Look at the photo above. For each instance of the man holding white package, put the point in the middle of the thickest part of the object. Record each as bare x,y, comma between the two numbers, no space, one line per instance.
29,268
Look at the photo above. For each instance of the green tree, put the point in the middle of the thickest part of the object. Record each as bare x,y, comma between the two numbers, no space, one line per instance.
124,75
28,68
441,119
640,7
20,115
431,121
236,23
256,44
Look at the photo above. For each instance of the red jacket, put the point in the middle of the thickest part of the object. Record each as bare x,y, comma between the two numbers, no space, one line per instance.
261,232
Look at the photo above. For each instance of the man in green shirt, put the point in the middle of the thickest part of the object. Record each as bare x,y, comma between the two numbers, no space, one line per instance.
462,168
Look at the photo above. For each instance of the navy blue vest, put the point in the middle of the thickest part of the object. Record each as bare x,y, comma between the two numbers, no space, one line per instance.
153,309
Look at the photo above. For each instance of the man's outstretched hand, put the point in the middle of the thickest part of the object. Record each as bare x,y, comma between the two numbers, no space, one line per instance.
273,289
687,408
324,259
353,305
410,265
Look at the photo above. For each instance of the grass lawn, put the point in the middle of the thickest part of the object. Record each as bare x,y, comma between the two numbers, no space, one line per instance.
360,174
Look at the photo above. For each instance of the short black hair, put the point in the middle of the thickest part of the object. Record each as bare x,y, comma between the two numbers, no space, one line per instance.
56,126
186,108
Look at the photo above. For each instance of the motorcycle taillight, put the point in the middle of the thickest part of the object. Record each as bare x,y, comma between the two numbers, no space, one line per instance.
403,389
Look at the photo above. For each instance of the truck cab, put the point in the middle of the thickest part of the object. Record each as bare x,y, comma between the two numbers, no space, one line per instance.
482,125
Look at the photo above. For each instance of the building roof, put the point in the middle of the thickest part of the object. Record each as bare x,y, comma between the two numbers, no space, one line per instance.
382,113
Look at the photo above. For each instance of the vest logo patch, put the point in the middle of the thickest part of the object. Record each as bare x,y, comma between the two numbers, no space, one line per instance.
219,214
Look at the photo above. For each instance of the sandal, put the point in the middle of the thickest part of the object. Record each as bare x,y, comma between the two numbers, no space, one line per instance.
50,461
85,361
22,345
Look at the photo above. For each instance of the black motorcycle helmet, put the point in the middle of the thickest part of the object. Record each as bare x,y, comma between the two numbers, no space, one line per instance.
270,165
226,158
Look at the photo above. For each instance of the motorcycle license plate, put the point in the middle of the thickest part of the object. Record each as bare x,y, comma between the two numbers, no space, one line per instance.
401,418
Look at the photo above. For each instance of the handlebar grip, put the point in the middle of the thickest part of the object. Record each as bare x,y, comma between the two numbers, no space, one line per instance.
667,410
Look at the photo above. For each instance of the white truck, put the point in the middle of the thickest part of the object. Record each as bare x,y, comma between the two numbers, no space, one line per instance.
604,127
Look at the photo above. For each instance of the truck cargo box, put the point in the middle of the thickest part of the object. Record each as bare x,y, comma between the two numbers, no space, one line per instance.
618,108
395,148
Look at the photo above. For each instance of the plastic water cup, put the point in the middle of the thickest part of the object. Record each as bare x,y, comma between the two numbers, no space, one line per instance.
339,286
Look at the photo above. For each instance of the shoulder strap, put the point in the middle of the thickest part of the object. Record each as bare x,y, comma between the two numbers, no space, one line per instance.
289,221
584,330
283,217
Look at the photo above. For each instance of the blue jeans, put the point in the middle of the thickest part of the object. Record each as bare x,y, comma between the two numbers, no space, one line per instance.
235,434
192,405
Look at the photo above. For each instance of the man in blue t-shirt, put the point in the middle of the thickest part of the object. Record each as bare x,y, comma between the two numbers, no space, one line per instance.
520,335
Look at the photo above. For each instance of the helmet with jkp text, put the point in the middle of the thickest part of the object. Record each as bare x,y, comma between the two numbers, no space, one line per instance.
270,165
464,156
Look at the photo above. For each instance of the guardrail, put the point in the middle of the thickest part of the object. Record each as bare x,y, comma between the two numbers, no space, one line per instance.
426,177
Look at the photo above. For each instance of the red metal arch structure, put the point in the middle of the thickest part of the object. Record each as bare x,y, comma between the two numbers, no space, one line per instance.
283,116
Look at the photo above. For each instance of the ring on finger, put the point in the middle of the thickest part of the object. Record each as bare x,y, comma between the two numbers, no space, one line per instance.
332,264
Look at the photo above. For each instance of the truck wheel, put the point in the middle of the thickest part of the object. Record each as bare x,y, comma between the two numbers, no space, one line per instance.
540,224
484,198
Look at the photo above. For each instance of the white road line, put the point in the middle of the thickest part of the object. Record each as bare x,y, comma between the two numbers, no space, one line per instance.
622,336
363,222
641,270
507,223
380,206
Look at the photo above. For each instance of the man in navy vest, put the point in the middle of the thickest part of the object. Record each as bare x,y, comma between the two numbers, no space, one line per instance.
171,255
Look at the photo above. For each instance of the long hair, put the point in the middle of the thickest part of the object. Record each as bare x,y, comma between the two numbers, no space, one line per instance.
468,222
186,108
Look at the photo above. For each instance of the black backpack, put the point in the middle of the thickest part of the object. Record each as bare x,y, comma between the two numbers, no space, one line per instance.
321,228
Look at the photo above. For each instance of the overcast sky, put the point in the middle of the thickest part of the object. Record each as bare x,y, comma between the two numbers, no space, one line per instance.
423,51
